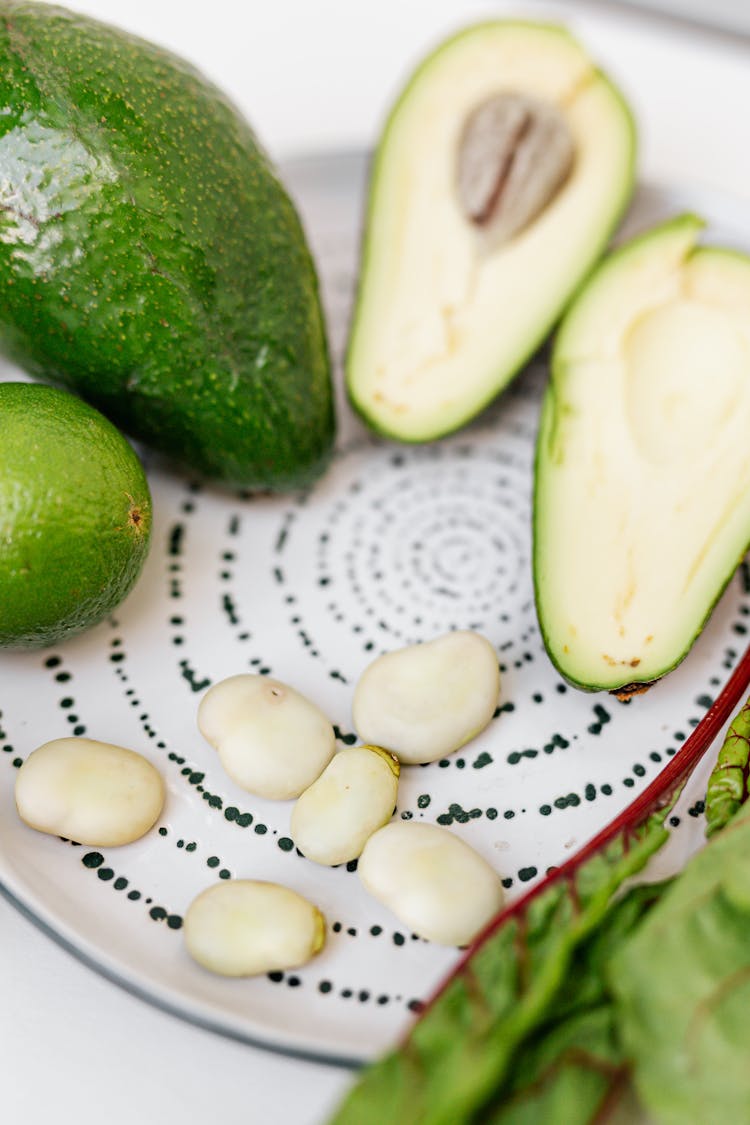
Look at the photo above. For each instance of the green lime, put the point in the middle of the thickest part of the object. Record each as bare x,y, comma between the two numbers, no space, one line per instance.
75,515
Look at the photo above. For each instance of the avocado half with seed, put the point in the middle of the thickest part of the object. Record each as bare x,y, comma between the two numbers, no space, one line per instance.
501,173
642,483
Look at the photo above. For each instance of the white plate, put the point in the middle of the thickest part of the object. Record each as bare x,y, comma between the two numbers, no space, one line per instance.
394,545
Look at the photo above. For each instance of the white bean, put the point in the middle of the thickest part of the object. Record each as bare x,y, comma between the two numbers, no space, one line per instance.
353,797
244,927
271,740
90,792
431,880
425,701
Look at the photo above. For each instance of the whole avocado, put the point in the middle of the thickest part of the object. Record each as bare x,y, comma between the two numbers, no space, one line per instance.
149,257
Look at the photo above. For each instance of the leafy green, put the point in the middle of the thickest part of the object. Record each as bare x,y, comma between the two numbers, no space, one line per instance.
574,1064
568,1078
682,989
727,785
507,1005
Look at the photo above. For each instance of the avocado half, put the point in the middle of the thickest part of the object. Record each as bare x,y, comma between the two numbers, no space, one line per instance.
501,173
642,481
150,258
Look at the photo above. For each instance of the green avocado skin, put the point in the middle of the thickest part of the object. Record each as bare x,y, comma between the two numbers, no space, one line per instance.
150,259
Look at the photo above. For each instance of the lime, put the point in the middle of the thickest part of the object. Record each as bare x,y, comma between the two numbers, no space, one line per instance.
75,515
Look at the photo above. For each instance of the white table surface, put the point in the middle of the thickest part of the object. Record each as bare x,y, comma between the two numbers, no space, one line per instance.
73,1047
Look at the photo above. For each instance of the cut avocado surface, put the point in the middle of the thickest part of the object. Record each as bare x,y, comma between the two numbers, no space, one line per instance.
501,173
642,486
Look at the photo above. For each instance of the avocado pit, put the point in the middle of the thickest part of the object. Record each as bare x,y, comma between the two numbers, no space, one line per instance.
514,154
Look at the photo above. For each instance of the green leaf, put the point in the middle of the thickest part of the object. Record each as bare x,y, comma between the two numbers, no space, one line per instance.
568,1077
570,1068
727,785
682,989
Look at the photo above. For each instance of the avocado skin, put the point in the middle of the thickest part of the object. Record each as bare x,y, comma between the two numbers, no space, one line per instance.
150,259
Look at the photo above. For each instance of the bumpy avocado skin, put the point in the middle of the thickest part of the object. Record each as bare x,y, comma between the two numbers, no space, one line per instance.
150,259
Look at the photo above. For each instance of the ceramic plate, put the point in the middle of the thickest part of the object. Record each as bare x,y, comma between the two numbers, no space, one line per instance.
395,545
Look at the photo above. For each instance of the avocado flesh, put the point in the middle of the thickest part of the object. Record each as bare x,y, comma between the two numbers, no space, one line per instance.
149,257
441,323
642,485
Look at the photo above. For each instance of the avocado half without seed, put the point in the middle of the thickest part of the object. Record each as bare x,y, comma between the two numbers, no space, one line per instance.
501,173
642,488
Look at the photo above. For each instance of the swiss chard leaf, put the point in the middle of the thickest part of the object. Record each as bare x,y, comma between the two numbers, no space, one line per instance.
682,989
571,1068
568,1077
727,785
